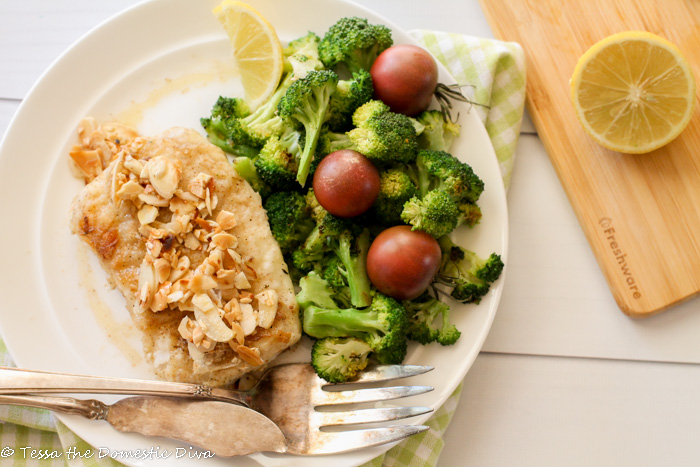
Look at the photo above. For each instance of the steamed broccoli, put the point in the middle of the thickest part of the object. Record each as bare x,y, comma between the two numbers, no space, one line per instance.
339,359
423,313
385,137
367,110
346,240
218,124
328,142
304,105
314,290
438,133
355,43
382,325
301,56
349,95
469,274
289,218
395,189
436,213
278,161
447,193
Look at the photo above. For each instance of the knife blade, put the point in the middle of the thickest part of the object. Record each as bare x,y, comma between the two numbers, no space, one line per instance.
223,428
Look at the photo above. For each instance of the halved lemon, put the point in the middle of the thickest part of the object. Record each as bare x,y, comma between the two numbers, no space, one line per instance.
257,51
633,92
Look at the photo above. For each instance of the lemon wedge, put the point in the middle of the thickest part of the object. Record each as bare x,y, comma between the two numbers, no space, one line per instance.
633,92
257,51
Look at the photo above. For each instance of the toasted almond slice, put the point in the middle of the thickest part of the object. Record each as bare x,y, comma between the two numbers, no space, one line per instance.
212,324
224,241
250,356
267,307
226,219
249,320
147,214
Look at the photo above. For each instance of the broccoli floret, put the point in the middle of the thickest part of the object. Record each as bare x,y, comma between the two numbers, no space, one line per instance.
349,95
438,131
470,274
314,290
218,124
277,162
355,43
339,359
395,189
305,104
332,273
386,138
436,213
423,327
328,142
382,325
439,172
439,169
301,56
346,240
289,217
368,110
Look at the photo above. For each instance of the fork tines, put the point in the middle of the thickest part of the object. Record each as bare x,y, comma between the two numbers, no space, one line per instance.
332,443
379,373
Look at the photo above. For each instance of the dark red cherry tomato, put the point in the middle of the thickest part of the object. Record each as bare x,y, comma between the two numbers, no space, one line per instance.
346,183
402,262
405,77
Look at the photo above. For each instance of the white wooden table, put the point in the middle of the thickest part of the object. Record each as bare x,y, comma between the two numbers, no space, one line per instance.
564,379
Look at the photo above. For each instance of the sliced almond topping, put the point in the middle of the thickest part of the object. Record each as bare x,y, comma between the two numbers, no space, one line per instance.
147,214
129,190
160,300
238,333
187,196
85,128
202,301
185,328
153,200
191,242
241,281
162,268
176,296
248,319
224,241
226,220
213,324
164,174
198,185
200,283
267,308
178,272
88,161
154,247
134,166
250,356
205,345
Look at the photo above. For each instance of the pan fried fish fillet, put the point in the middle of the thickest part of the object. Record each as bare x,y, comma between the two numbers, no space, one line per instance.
186,241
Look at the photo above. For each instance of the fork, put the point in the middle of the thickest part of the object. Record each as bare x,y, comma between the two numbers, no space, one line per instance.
290,395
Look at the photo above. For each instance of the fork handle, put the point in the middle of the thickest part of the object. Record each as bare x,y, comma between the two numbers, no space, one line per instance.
91,408
20,381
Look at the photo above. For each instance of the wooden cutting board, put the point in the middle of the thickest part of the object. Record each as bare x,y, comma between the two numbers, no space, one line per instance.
640,213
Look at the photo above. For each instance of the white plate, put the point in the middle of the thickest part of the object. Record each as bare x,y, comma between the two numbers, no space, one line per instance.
161,57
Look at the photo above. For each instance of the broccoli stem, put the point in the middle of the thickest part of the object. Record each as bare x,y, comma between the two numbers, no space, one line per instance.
347,322
355,267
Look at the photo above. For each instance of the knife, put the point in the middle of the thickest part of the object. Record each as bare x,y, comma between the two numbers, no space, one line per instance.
223,428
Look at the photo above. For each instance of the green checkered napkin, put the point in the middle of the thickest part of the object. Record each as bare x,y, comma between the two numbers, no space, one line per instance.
495,73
